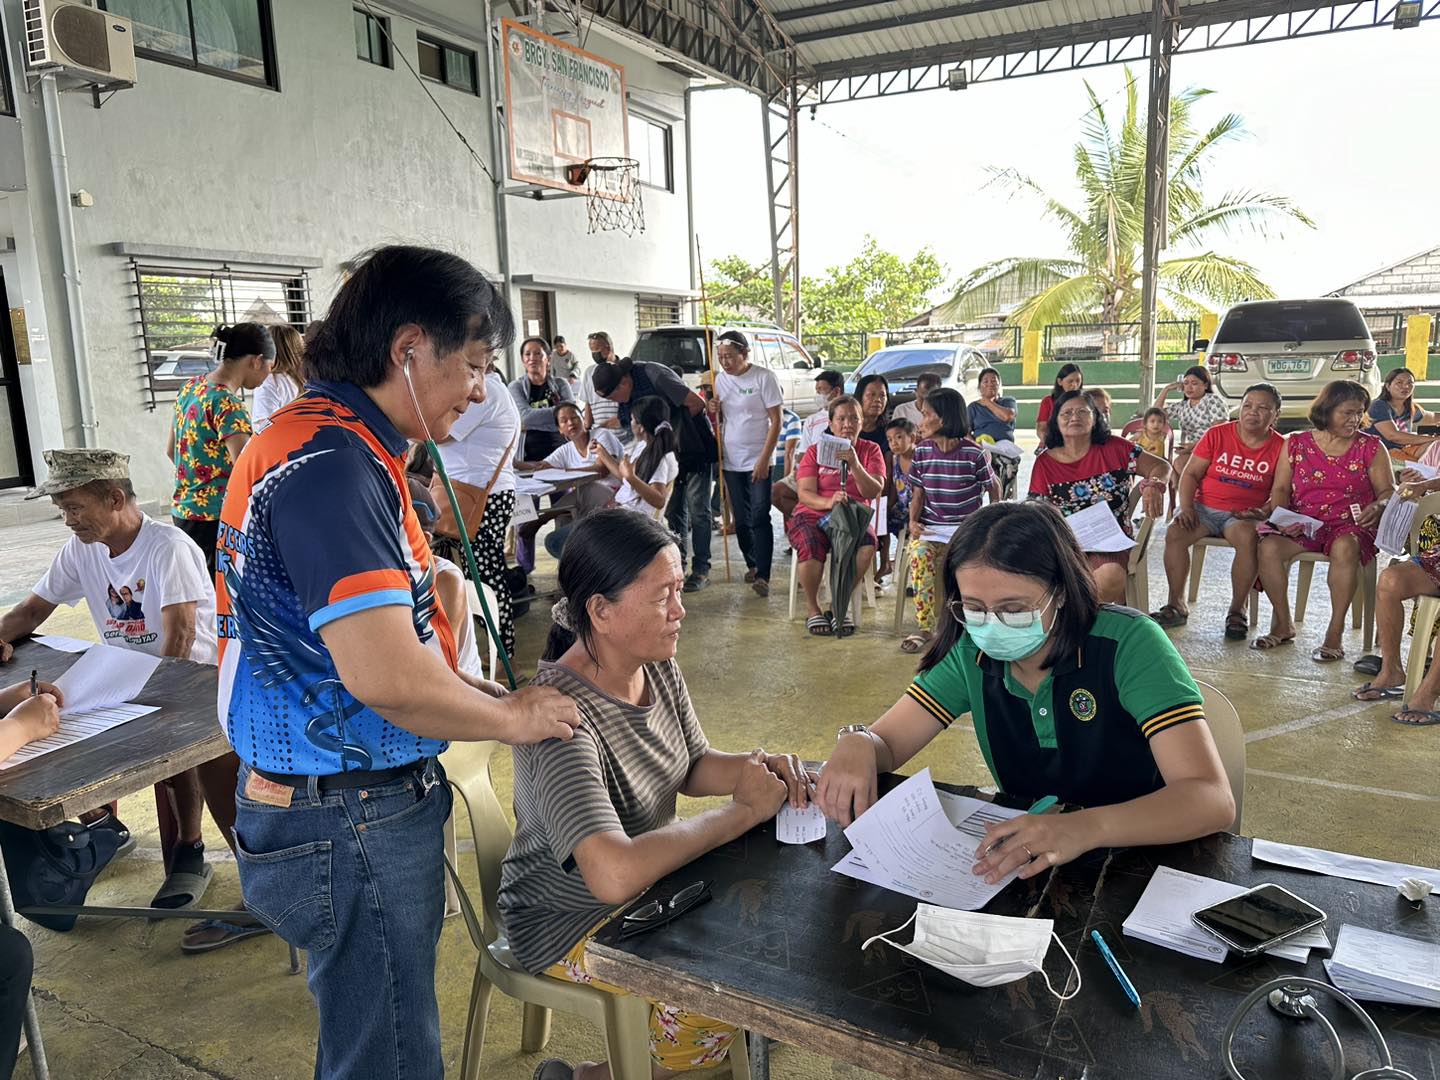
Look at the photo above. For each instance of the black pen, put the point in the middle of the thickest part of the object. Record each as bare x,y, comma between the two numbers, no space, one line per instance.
34,686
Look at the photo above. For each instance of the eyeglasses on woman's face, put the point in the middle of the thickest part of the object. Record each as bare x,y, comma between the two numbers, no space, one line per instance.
1016,614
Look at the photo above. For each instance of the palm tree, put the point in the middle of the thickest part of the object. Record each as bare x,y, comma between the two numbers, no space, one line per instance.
1100,280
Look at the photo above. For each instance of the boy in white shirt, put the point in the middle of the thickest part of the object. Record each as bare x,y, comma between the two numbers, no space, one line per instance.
748,400
165,607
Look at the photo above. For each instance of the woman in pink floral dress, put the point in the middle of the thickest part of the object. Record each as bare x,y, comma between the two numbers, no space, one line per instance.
1340,476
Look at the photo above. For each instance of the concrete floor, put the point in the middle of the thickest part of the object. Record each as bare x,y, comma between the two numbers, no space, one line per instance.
119,1000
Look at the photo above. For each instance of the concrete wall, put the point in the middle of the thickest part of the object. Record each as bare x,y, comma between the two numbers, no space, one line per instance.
346,155
1418,275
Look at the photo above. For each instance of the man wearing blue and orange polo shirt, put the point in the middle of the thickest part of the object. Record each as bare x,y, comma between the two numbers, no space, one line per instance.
338,680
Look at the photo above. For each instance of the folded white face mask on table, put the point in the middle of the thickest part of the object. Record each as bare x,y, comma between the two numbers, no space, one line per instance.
982,950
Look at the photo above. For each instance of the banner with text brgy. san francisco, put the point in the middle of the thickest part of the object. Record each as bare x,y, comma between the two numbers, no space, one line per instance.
563,105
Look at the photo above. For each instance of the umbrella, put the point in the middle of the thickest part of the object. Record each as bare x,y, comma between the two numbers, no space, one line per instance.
846,525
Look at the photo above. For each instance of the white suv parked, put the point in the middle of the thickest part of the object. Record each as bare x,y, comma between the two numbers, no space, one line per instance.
683,349
1299,345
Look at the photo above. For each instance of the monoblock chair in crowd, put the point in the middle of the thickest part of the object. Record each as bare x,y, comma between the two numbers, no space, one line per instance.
624,1018
864,593
1427,608
1137,570
1229,736
1362,607
1197,566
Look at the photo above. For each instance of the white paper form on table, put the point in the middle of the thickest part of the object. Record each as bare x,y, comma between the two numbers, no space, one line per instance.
1282,518
800,826
563,476
105,675
1096,529
1338,864
908,843
60,643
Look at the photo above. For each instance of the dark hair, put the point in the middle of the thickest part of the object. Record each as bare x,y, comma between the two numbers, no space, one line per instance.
989,371
844,399
1391,376
1201,372
1066,370
555,411
559,340
1332,395
864,384
1098,434
544,345
1266,388
1030,539
653,415
736,338
603,555
606,377
901,424
1156,411
831,378
244,339
949,406
395,286
929,378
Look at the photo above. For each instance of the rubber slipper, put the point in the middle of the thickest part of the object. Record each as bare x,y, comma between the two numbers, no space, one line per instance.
847,627
913,643
1369,664
1323,654
215,934
554,1069
1170,616
184,890
1431,718
1237,627
1270,641
820,626
1382,693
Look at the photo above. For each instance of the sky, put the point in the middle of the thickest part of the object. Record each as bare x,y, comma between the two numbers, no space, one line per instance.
1344,124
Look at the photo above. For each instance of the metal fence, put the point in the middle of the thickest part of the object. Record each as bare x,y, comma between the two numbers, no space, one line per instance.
1389,329
1090,342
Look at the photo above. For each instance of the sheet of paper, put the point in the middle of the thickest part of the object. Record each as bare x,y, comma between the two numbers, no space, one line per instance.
1163,917
1282,518
75,727
105,675
1338,864
525,511
561,476
825,449
1006,448
800,826
1097,530
907,843
1394,529
1429,472
1386,967
939,534
64,644
528,485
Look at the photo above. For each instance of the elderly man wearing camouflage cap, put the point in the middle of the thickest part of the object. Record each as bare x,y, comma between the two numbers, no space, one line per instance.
145,584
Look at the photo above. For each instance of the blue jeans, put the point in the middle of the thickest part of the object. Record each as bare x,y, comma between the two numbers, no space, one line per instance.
750,503
689,512
356,878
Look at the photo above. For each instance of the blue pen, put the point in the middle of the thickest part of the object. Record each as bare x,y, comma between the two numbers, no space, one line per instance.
1041,805
1120,976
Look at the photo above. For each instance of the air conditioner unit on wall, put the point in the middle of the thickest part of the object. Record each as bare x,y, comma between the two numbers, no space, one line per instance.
85,42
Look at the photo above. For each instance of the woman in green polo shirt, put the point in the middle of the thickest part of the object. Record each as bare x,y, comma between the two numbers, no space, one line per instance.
1089,703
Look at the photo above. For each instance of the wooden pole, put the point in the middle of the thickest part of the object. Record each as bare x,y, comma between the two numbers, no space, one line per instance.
719,442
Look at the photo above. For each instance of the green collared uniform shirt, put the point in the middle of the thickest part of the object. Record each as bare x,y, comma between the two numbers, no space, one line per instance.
1084,735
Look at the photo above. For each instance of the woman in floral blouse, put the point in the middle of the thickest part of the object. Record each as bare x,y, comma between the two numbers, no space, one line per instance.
1084,464
211,426
1340,476
1199,409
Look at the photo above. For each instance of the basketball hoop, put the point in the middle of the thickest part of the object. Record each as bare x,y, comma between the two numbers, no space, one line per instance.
612,193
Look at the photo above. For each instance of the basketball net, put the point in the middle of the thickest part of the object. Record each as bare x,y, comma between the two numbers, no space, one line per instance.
612,193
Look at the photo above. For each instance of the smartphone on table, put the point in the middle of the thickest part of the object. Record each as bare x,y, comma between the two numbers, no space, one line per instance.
1259,918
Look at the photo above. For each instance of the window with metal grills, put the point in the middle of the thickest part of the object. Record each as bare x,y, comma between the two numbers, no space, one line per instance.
177,307
651,311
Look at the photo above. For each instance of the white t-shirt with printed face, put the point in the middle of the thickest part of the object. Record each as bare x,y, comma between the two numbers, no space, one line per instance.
126,594
746,401
664,473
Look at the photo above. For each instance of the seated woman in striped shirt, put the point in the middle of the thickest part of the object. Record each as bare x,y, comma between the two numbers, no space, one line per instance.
595,816
1068,697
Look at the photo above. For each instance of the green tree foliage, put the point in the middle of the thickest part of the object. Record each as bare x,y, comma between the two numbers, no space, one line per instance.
875,289
1099,280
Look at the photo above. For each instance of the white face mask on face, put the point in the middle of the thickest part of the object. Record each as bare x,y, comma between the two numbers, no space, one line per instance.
982,950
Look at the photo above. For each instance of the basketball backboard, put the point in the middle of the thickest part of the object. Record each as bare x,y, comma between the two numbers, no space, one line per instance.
563,106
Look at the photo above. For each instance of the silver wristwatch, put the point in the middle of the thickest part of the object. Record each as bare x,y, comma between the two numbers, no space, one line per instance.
853,729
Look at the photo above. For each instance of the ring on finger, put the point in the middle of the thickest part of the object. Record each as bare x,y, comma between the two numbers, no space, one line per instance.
1028,852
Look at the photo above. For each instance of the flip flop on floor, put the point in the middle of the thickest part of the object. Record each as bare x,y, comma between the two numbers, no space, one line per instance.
1271,641
1170,616
1369,664
847,626
913,643
1380,693
1237,626
183,889
1429,718
819,625
215,934
1324,654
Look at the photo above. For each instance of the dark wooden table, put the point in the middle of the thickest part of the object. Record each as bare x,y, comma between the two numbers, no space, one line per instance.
777,952
63,784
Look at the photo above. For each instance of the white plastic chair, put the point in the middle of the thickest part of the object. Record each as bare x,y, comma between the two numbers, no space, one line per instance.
1197,565
1362,607
1427,608
1229,736
624,1018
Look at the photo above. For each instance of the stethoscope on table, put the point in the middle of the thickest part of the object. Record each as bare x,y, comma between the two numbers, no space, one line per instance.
1290,997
